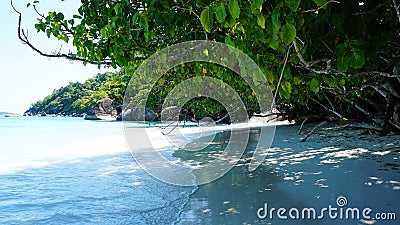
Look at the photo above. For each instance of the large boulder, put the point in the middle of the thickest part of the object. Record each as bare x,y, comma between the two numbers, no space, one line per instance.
102,110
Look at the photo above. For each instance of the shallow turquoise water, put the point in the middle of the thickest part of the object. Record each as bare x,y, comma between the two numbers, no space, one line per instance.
54,180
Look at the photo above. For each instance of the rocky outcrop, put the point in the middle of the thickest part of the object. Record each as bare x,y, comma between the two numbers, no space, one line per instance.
102,110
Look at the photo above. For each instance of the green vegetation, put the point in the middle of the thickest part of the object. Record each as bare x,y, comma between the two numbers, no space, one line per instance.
77,98
339,58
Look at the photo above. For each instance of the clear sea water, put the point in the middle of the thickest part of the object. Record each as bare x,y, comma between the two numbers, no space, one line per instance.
56,170
72,171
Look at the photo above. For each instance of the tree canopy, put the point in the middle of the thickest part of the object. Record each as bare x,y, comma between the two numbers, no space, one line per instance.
337,56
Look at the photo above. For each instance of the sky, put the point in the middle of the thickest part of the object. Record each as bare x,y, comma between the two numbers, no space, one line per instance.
26,76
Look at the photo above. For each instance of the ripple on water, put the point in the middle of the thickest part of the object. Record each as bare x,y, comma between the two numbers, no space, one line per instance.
100,190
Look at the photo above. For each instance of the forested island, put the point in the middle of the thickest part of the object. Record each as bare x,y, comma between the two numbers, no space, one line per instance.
78,99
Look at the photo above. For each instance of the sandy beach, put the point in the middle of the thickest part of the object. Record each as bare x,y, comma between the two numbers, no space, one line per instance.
334,162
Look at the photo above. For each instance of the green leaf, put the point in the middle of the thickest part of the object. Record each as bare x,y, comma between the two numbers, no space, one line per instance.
261,21
342,64
295,91
272,86
229,41
287,86
341,49
276,25
165,4
296,80
319,2
229,21
27,5
274,44
332,82
147,35
356,59
116,8
270,76
220,13
65,38
342,82
48,32
284,93
234,9
144,22
314,85
293,4
288,33
256,6
269,56
206,19
275,17
103,32
287,74
59,16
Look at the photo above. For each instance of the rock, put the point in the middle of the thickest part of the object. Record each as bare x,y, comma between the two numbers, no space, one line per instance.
132,114
27,113
103,110
170,113
107,105
91,117
150,115
31,112
119,117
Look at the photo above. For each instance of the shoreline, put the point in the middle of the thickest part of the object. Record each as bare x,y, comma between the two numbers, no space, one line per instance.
333,162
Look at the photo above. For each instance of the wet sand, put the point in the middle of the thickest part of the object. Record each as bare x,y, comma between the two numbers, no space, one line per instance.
333,163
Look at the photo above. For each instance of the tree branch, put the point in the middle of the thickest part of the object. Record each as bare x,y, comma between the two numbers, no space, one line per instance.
197,16
327,109
302,124
23,36
396,7
280,78
321,7
308,65
383,74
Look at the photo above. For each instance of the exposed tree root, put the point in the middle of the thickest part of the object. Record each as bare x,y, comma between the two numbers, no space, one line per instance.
302,124
313,130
